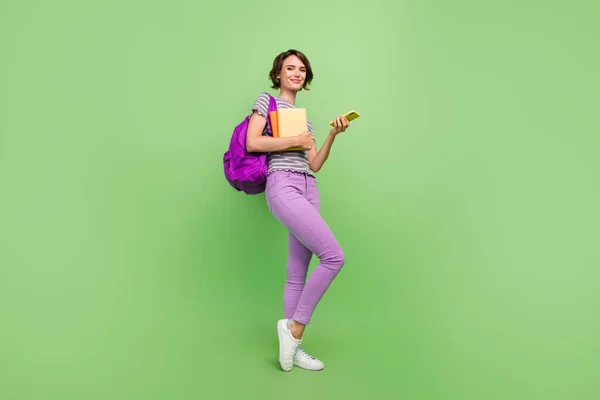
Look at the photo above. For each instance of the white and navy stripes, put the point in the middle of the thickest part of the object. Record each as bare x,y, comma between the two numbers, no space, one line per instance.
287,160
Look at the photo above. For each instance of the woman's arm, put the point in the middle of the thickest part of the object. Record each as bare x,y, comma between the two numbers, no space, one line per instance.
316,159
256,142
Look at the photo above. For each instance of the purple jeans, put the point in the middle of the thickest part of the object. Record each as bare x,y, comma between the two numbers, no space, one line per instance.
293,198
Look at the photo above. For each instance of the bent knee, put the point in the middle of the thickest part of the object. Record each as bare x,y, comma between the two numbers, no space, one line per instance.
335,261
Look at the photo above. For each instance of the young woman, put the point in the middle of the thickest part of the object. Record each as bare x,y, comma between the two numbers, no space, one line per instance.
293,199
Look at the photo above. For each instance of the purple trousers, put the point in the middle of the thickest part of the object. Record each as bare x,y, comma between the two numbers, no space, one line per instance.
293,199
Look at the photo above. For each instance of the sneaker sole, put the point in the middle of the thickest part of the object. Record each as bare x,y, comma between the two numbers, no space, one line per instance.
308,368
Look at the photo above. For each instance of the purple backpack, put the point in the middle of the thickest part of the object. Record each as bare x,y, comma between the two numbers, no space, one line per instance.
246,172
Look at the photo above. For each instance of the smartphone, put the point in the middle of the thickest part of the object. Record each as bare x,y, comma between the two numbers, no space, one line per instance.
351,115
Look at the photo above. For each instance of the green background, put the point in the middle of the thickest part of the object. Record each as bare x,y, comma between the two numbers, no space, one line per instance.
465,198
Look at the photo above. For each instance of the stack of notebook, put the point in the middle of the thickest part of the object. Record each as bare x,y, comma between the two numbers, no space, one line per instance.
287,122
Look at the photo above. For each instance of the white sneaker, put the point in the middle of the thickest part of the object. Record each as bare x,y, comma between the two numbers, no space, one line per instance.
288,345
306,361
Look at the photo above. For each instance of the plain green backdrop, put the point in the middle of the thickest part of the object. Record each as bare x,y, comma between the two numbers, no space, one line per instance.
465,198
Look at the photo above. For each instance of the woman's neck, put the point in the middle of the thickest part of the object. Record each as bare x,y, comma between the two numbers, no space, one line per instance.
290,97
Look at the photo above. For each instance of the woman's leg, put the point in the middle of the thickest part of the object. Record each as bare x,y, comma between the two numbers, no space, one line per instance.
298,261
296,269
288,199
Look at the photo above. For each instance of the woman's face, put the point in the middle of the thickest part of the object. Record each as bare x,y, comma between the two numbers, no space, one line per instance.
292,75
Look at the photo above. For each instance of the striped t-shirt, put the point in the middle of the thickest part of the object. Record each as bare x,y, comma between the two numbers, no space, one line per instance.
295,160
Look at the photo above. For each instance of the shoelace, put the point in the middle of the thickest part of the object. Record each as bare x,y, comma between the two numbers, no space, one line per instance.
292,355
301,352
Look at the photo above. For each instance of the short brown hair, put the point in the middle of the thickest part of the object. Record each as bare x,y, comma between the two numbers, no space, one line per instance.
278,65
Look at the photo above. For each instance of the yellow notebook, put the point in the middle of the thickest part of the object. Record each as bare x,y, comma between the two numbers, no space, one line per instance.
291,122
